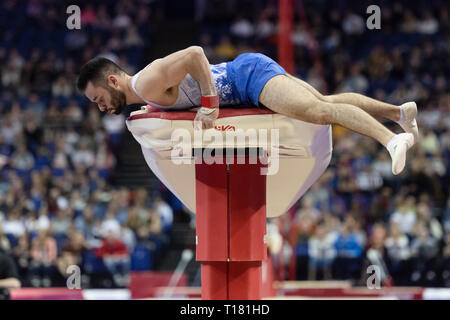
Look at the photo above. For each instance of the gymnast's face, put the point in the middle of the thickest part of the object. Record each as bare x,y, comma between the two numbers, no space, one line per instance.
109,99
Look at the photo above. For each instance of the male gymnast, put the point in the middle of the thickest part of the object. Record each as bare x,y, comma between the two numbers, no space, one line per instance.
185,79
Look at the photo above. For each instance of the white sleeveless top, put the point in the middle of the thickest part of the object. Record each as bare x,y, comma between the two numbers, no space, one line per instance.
189,93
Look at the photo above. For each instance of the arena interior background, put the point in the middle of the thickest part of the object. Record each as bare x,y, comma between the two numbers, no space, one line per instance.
71,177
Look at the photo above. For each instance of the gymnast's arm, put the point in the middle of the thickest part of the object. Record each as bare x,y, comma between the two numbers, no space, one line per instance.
165,74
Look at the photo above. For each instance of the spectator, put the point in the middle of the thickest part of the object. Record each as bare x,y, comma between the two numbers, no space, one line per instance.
132,38
410,23
353,24
62,221
381,204
368,179
154,222
104,160
10,129
33,133
205,41
14,225
405,215
398,254
264,27
429,24
43,259
22,159
429,142
12,75
4,241
60,159
35,107
348,252
299,235
424,249
77,202
72,252
22,257
8,275
300,36
43,222
242,28
88,15
116,257
85,222
128,237
122,19
307,209
225,50
433,225
133,218
321,253
165,213
114,125
62,88
446,261
31,223
73,112
356,82
84,156
446,218
376,255
110,224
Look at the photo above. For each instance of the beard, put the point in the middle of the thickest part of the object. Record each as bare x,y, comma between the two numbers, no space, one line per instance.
118,100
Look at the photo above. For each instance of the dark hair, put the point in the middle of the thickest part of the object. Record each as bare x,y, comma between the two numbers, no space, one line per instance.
95,69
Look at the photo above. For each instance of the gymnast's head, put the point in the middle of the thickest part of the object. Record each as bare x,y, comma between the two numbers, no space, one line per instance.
101,80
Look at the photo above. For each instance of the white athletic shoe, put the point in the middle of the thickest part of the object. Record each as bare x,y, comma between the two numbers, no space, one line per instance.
397,148
408,120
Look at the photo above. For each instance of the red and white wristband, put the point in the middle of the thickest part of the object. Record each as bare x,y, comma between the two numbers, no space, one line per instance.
209,104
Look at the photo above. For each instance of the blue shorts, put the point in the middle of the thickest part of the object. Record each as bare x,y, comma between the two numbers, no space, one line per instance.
248,74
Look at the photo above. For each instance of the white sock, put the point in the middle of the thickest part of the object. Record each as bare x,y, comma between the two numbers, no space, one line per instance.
391,142
402,116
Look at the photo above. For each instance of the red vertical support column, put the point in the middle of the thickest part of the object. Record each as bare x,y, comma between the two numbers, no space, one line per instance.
247,228
285,29
212,228
231,228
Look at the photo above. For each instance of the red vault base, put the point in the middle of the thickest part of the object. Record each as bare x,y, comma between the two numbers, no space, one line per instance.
231,227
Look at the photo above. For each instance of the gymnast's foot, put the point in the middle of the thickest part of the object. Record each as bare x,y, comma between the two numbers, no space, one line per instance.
397,148
408,114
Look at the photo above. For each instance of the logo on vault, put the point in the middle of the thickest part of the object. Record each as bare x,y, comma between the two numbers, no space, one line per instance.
225,128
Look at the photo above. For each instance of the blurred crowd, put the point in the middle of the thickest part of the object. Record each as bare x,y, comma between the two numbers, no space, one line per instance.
57,152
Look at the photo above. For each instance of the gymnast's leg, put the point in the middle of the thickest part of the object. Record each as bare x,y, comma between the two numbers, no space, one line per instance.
284,95
405,115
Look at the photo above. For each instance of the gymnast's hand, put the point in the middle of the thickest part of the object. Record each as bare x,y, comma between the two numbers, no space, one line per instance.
205,118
